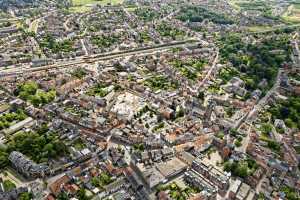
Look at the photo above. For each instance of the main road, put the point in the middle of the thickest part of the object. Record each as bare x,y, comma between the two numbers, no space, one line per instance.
211,70
261,103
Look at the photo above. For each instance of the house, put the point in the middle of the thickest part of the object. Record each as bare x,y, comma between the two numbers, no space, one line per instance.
167,113
58,184
167,153
236,86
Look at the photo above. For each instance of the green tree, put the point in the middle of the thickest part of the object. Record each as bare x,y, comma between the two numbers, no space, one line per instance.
241,171
105,178
201,95
82,194
227,166
8,185
26,196
3,159
238,143
63,196
266,128
275,146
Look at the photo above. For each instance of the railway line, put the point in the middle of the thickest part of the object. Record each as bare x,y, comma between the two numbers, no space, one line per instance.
96,57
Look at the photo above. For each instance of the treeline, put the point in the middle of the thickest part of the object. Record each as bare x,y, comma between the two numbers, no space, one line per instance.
198,14
40,146
49,42
288,110
256,61
29,91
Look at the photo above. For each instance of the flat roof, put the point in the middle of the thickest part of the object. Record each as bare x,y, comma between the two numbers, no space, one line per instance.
171,167
235,186
244,190
18,126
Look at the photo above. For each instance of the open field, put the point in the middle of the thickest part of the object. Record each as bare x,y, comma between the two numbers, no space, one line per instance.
234,4
292,14
259,28
131,8
247,5
86,5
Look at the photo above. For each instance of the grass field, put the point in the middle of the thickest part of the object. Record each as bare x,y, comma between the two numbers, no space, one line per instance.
259,28
131,8
234,4
247,5
292,14
86,5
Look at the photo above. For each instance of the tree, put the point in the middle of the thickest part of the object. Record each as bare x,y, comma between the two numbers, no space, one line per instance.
284,112
241,171
3,159
290,193
63,196
238,143
250,84
275,146
266,128
179,112
49,150
30,87
289,122
105,178
8,185
26,196
147,125
227,166
201,95
82,195
95,182
29,92
39,148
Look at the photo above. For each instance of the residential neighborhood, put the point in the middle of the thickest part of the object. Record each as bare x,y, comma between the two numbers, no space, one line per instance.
149,100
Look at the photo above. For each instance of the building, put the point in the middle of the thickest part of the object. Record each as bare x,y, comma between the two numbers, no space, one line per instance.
149,175
234,189
27,167
185,157
58,184
18,126
212,174
171,167
13,194
203,184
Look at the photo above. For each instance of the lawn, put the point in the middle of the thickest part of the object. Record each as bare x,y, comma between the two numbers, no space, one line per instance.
86,5
246,5
161,83
131,8
292,14
176,192
259,28
79,144
8,185
234,4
